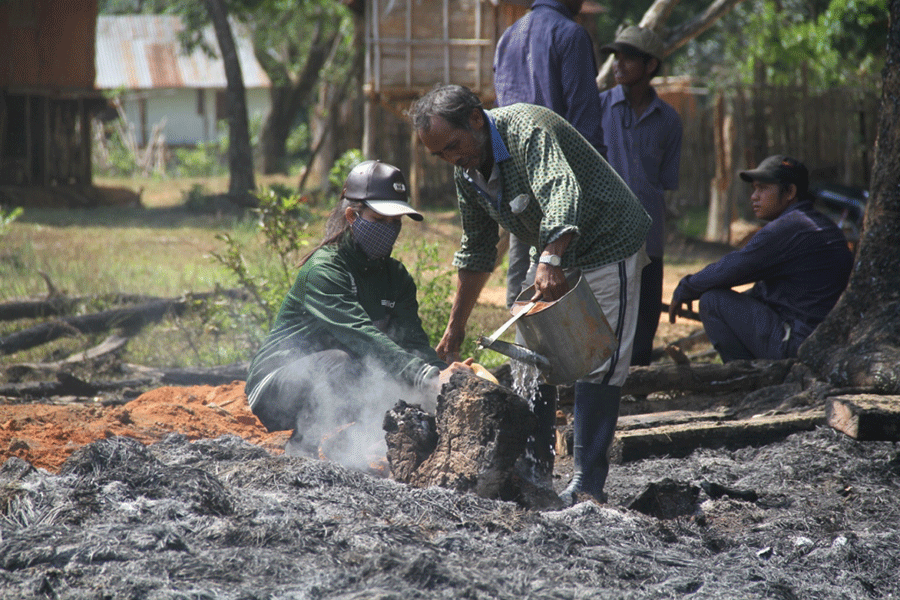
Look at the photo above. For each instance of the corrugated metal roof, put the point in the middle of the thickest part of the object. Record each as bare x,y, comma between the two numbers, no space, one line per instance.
141,52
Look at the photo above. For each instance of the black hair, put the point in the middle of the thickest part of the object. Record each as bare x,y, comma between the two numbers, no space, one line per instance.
453,103
336,226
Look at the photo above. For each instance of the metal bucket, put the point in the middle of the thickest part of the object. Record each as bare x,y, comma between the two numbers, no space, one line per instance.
571,332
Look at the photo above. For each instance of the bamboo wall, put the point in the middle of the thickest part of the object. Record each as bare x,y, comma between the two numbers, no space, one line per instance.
47,74
832,132
412,45
47,43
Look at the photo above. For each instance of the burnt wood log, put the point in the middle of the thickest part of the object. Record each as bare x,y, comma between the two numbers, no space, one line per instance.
61,305
481,432
36,309
67,384
411,436
678,441
109,346
866,417
739,375
129,319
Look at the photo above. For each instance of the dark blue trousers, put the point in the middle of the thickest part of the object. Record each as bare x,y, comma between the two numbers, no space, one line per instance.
648,312
741,327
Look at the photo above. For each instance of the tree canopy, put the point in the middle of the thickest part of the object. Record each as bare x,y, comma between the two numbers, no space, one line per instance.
827,42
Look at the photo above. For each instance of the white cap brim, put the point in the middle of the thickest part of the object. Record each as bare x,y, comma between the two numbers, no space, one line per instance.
394,208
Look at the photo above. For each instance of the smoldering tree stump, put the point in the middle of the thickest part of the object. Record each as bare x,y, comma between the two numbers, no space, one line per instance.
480,432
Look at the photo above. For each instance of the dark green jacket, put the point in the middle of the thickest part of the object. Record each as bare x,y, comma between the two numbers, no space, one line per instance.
343,300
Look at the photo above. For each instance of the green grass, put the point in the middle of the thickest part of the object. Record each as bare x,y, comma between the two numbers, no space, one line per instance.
162,250
692,223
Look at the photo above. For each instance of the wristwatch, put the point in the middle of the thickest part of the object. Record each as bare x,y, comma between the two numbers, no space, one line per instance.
550,259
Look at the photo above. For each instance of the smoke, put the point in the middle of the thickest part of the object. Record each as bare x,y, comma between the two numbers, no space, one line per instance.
341,419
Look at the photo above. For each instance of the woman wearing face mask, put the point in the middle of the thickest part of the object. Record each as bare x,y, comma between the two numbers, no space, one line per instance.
348,335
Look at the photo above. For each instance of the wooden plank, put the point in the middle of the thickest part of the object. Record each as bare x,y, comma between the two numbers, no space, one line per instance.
682,439
739,375
665,417
866,417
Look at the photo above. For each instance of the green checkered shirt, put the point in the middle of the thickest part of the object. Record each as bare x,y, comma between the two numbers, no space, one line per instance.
568,185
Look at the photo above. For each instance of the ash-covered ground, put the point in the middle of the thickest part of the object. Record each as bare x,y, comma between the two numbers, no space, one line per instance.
224,519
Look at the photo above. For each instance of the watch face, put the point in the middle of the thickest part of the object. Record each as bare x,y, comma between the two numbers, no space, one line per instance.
551,259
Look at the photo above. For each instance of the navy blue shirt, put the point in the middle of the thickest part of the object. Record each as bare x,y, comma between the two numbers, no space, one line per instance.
546,58
800,263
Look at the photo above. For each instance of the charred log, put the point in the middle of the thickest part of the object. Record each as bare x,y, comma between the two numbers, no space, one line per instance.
138,377
680,440
62,305
130,320
480,435
739,375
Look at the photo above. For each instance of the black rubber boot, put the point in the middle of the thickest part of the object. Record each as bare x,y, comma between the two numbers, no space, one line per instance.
540,447
596,414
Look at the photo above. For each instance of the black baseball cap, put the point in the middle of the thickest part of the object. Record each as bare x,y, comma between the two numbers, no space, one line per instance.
780,169
382,187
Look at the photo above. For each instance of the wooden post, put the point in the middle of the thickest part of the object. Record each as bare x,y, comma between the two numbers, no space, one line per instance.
29,142
368,141
85,120
415,166
718,225
47,139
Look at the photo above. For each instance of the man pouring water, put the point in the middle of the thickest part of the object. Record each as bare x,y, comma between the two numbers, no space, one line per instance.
523,167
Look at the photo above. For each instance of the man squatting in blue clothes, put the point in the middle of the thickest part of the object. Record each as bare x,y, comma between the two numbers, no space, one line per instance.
643,134
799,264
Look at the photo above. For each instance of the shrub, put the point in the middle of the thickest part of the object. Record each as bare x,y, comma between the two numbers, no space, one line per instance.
282,220
342,167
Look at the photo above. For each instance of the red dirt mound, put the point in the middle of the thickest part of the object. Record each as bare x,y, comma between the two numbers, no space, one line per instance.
46,434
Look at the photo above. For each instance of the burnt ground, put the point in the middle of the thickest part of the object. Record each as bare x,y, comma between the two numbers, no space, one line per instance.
200,515
227,519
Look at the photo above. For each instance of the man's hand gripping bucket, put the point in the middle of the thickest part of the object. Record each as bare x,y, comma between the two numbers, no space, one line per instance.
567,338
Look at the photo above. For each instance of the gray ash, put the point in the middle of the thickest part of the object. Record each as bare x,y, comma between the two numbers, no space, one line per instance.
223,519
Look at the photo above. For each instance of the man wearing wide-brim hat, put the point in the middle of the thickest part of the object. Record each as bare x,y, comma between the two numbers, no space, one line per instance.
643,138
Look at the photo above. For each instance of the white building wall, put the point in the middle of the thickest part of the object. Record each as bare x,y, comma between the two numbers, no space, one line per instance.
185,123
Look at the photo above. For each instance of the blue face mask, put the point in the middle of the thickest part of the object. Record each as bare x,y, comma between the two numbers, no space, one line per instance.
376,238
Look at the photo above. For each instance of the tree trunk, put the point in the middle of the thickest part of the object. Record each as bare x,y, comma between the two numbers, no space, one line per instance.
721,202
334,96
655,18
289,97
240,154
858,344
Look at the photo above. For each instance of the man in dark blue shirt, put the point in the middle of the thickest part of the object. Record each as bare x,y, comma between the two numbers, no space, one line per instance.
643,144
546,58
799,264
